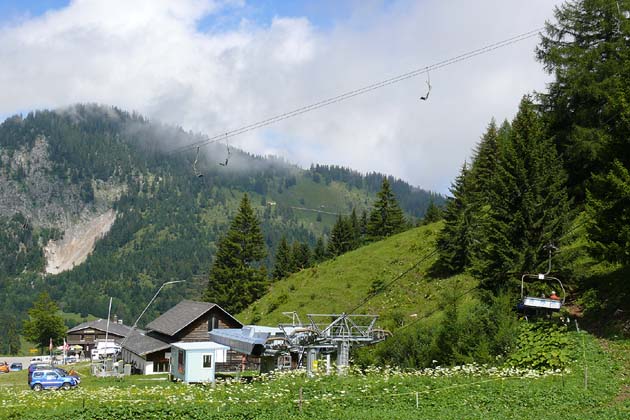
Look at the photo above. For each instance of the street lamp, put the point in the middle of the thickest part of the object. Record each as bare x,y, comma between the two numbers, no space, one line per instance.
133,327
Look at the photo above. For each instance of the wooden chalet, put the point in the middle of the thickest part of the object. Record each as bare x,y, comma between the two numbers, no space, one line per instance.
89,333
188,321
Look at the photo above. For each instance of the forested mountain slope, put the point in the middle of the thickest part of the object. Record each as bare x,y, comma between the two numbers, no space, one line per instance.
61,168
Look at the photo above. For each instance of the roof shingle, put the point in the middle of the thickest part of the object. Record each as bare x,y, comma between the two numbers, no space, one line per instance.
101,325
181,315
142,344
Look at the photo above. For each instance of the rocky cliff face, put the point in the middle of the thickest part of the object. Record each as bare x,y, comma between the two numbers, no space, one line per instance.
77,243
28,187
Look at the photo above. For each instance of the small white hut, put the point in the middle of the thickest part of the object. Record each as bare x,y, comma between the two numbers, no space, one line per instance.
194,362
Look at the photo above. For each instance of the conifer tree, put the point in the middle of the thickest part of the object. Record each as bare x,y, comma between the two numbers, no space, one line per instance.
355,225
588,103
432,214
363,222
485,159
608,207
588,107
527,205
386,217
455,239
283,265
319,253
237,277
301,255
341,237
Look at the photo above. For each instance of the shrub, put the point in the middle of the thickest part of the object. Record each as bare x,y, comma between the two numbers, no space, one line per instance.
541,346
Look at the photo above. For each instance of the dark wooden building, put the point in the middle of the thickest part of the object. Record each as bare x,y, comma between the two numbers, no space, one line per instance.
89,333
188,321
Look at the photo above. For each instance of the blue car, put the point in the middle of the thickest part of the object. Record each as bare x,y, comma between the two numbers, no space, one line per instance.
15,367
52,379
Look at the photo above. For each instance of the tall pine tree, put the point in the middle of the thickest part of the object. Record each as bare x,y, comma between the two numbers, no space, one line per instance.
588,103
608,207
319,253
527,207
341,237
432,214
455,239
283,265
386,217
237,277
302,255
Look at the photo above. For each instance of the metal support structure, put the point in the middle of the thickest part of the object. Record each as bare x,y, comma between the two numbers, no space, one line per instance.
343,356
311,357
325,334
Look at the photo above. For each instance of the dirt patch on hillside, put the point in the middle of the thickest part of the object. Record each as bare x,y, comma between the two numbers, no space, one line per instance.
78,242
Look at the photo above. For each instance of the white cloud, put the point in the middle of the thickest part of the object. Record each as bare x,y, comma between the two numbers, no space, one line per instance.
149,56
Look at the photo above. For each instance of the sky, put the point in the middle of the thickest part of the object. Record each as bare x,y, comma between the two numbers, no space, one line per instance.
212,66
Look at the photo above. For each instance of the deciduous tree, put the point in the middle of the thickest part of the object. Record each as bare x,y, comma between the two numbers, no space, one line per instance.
44,323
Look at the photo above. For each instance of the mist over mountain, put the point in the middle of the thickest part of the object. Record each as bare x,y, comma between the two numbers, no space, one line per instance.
94,202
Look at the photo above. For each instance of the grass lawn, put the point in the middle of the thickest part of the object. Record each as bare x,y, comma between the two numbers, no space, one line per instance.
472,392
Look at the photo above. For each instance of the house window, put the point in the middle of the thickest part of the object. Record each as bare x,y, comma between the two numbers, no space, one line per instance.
213,323
207,361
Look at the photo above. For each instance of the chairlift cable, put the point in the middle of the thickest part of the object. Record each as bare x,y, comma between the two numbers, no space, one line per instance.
360,91
394,280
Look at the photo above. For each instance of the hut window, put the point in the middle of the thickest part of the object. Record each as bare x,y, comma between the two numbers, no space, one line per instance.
207,361
213,323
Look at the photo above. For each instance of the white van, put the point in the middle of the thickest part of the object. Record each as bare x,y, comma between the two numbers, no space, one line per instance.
104,350
41,359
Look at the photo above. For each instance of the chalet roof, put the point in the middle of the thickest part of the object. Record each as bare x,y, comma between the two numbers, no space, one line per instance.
142,344
183,314
101,325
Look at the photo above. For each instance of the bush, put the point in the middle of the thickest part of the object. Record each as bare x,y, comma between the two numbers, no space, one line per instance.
483,333
541,346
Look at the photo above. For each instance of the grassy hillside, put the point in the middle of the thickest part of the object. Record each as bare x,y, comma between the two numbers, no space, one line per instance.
340,285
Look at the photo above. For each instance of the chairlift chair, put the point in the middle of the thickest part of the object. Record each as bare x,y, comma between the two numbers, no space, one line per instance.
537,304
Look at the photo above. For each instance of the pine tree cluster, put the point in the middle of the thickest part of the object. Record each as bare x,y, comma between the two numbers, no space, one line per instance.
508,205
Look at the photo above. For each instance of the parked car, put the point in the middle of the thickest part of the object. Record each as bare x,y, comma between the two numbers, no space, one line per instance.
15,367
72,373
52,379
36,366
4,367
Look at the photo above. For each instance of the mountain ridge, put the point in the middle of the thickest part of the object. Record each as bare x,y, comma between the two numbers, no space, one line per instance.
93,159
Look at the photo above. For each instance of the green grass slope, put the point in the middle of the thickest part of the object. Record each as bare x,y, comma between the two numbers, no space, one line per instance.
344,283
